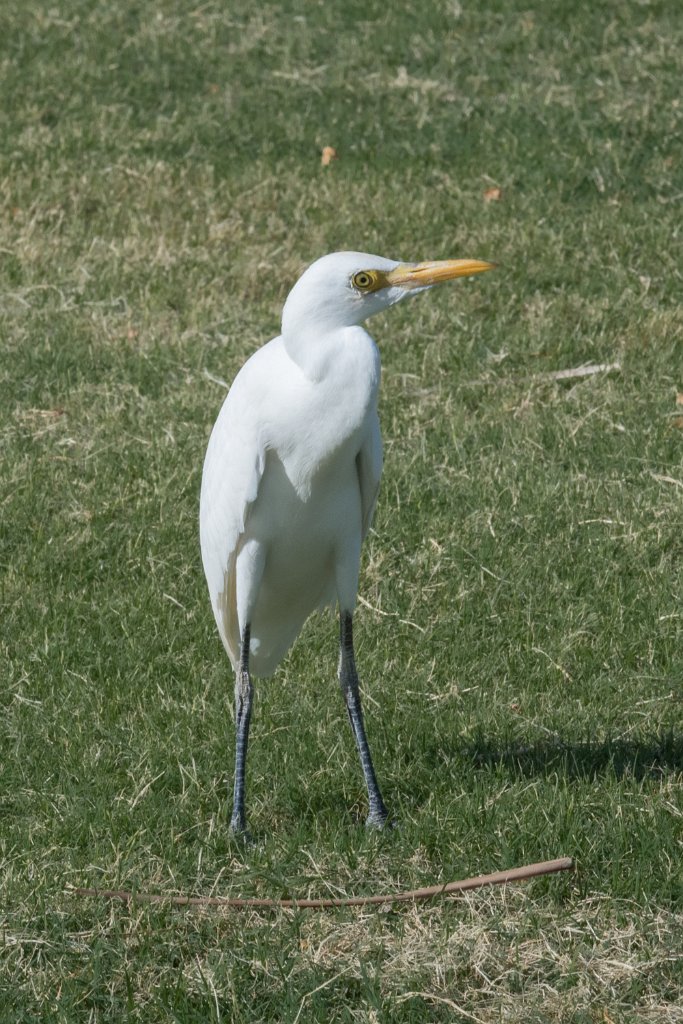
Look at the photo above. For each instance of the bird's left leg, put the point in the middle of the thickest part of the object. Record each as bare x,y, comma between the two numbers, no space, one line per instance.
348,680
244,693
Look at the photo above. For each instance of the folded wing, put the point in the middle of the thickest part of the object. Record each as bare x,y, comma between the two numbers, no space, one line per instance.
233,469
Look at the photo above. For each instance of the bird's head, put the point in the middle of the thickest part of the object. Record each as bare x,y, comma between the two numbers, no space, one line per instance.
345,288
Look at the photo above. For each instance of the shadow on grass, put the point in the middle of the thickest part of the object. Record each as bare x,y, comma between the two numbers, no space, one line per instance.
660,753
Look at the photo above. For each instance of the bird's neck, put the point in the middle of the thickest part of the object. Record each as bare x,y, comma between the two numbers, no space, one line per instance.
320,353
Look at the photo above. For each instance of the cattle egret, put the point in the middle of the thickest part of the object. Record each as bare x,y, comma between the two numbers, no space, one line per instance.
291,476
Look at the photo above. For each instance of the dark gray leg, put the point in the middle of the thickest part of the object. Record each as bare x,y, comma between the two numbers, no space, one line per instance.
348,679
244,692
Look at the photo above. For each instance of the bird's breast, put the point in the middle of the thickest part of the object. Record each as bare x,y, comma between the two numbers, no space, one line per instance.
320,424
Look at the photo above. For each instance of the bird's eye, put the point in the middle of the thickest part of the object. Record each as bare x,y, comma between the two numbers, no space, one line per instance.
364,281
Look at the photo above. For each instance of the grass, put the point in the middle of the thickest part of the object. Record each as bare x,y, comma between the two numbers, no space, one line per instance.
520,632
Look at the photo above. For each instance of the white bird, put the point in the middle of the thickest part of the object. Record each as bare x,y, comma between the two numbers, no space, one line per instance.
291,476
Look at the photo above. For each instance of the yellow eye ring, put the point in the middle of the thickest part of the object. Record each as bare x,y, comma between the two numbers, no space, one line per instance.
364,281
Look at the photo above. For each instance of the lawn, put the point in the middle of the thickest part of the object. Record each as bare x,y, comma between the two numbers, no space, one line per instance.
520,629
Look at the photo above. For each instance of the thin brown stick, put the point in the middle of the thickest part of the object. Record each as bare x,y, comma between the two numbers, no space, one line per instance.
578,372
545,867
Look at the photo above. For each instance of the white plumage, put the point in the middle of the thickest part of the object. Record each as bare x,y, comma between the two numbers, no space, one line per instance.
291,476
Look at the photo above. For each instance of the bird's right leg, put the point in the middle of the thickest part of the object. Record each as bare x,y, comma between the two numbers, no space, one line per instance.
244,692
249,571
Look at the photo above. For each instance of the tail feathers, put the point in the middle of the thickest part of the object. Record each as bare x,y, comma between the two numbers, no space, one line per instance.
226,613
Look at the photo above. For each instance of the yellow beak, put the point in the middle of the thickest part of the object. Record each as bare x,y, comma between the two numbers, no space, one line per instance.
423,275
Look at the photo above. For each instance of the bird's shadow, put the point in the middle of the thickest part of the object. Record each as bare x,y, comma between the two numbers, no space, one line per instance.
648,756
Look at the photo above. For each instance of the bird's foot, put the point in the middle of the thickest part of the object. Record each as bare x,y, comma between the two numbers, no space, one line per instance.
378,819
238,829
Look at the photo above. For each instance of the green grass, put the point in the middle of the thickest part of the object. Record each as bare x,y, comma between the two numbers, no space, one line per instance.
521,636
